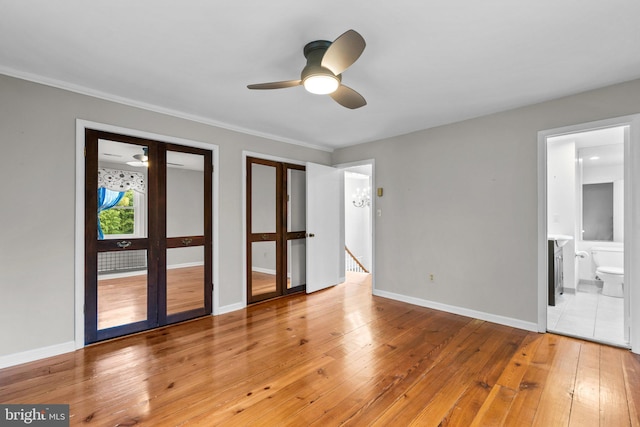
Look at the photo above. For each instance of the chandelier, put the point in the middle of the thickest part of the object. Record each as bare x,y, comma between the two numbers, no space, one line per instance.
362,198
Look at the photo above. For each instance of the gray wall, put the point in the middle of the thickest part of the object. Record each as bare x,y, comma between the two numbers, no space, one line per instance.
37,180
460,202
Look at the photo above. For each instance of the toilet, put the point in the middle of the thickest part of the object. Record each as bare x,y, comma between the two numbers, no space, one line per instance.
610,269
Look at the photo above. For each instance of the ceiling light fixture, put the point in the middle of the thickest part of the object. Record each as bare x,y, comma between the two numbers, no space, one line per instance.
362,198
142,160
321,84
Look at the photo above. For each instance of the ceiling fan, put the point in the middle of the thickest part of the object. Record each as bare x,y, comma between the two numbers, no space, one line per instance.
326,61
142,160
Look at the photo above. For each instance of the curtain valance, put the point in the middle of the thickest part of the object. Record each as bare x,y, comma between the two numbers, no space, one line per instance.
119,180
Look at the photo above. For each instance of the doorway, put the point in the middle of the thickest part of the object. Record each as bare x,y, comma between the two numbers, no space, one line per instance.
358,218
276,229
586,234
148,234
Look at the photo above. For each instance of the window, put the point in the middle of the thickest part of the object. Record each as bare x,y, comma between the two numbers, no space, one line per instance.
126,219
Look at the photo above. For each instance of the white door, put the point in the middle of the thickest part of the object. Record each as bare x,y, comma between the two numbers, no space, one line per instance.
324,214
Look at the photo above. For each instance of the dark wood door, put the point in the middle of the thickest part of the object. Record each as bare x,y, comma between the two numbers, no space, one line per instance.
143,268
275,229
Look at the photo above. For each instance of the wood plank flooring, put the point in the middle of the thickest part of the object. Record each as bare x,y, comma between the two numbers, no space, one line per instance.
337,357
124,300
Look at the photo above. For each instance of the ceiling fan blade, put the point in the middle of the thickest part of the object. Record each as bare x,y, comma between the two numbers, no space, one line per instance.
348,97
276,85
343,52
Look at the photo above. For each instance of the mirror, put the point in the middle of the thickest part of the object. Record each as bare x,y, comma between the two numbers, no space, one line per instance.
602,192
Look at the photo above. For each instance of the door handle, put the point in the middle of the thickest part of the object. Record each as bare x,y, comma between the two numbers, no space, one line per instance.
264,237
124,244
311,235
187,241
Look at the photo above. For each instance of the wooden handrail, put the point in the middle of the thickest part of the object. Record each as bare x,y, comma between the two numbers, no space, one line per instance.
356,260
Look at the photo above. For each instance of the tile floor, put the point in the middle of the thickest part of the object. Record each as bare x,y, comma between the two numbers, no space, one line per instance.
588,314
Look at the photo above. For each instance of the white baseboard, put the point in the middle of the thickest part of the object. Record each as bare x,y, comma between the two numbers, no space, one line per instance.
185,265
263,270
144,272
228,308
36,354
494,318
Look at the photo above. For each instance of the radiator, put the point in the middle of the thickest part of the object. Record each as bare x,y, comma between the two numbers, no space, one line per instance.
122,261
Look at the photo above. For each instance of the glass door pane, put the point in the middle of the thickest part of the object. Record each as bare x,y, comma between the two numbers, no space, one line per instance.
122,247
185,194
186,199
296,225
297,272
185,284
263,268
264,257
122,288
263,199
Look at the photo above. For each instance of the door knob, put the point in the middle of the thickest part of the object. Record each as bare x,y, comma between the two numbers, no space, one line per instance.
311,235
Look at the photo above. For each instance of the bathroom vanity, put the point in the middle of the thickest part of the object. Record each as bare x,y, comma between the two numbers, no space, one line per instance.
556,278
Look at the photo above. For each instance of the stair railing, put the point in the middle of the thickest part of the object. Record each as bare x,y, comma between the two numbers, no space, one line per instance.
352,263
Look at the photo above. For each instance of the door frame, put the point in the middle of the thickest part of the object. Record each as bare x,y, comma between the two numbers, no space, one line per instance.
79,244
632,220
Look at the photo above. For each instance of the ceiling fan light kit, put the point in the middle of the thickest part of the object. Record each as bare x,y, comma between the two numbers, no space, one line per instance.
321,84
323,73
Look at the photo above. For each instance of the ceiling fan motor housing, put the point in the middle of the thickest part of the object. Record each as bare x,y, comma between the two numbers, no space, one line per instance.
314,51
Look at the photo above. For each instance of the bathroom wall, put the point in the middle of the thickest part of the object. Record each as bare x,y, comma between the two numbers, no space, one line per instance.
561,200
593,175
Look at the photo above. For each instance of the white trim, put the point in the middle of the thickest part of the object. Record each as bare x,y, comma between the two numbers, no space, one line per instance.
185,265
107,276
231,307
81,125
264,270
501,320
632,219
36,354
82,90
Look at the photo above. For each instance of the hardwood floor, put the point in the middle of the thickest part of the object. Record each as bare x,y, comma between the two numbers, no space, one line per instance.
339,356
263,283
124,300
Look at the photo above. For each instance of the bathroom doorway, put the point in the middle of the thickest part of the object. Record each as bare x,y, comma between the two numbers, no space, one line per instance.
588,289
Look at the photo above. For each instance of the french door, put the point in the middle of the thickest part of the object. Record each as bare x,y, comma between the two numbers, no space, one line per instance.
276,222
148,234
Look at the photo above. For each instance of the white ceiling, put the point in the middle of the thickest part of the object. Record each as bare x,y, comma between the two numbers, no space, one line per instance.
426,63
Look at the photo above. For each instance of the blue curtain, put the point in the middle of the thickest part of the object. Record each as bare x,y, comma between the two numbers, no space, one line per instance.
106,200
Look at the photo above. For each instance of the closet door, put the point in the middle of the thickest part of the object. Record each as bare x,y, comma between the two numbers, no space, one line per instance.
276,237
296,242
148,234
264,229
120,290
187,281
